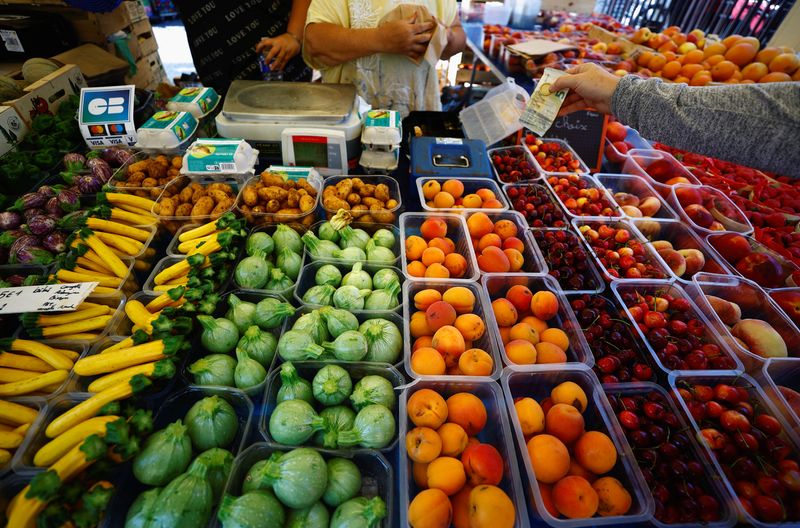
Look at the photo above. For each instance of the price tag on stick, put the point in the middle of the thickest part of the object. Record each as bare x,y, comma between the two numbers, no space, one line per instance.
44,298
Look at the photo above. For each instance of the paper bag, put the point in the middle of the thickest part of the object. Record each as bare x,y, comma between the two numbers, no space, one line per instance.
439,38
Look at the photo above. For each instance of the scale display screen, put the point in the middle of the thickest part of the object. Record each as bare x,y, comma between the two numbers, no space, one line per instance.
310,151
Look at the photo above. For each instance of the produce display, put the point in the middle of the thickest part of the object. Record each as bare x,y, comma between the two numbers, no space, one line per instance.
543,344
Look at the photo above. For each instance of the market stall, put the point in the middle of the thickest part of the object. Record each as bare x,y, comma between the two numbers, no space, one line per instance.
336,321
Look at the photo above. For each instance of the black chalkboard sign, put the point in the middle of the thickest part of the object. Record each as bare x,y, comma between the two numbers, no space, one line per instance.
585,131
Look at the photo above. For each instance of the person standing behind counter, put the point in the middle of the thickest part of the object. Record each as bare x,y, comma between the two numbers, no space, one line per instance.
344,41
225,38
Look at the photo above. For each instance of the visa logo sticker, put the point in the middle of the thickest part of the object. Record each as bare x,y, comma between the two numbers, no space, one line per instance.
106,116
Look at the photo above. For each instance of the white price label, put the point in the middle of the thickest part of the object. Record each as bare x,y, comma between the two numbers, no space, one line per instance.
44,298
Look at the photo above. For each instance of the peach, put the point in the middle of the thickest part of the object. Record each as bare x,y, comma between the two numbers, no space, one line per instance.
674,260
440,314
570,393
728,312
623,198
649,229
650,206
575,498
564,422
660,245
483,464
632,211
596,452
688,196
760,337
699,215
695,260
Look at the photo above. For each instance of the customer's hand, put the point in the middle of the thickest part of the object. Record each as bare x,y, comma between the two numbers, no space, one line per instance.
406,37
281,48
590,87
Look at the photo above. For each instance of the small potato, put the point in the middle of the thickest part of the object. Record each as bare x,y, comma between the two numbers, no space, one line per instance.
344,188
245,208
292,198
273,206
199,194
222,206
250,195
382,192
289,211
306,203
391,204
289,184
139,166
186,194
259,209
219,195
177,162
353,198
268,178
166,207
135,176
333,203
149,182
369,202
203,206
154,193
303,184
366,218
368,190
183,209
358,183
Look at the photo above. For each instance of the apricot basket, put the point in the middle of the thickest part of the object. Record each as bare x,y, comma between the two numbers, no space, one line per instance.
471,186
598,416
497,432
759,400
713,295
410,224
495,286
533,260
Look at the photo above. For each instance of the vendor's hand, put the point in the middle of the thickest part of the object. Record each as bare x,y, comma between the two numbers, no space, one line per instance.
281,48
590,87
406,37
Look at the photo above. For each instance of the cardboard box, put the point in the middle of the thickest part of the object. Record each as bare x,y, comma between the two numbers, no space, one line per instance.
142,41
99,67
149,72
629,49
12,128
46,94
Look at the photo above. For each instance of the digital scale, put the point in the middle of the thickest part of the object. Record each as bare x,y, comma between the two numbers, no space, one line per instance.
299,124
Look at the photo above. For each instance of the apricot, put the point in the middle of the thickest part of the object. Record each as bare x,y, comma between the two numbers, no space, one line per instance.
525,332
575,498
549,458
444,244
446,474
614,498
741,53
570,393
693,57
515,259
460,502
424,298
754,71
766,55
701,78
546,492
535,323
416,269
580,471
556,336
479,224
423,444
564,422
432,255
490,507
722,71
437,271
419,472
485,194
489,240
520,296
483,464
504,312
454,439
415,245
671,69
775,77
544,305
468,411
729,41
513,243
449,342
427,361
505,332
493,260
419,325
443,200
421,342
505,229
521,352
492,203
596,452
427,408
440,314
530,416
715,48
430,509
433,228
472,201
475,362
456,265
460,298
470,325
657,62
549,353
454,187
430,189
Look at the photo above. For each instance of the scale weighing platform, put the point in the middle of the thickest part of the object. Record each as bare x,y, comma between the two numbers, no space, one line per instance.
304,124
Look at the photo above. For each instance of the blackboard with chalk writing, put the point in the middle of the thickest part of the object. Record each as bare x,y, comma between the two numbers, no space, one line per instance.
585,131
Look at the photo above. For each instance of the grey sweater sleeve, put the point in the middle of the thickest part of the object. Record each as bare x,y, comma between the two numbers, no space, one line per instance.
756,125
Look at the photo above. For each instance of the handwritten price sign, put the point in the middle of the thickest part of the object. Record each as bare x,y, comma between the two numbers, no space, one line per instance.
585,132
46,298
